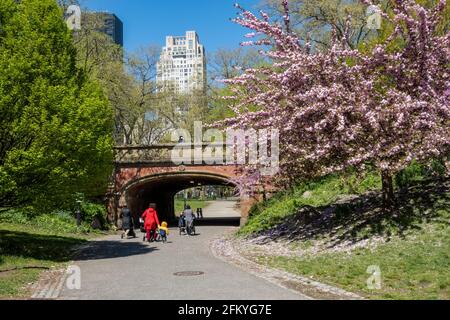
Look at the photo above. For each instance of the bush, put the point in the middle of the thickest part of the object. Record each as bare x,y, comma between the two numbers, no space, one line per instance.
14,216
64,215
57,222
413,173
92,211
8,188
418,172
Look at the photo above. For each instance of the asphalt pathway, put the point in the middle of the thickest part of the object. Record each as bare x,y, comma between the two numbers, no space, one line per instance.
117,269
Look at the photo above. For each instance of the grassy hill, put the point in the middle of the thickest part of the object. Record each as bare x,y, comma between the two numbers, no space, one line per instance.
333,234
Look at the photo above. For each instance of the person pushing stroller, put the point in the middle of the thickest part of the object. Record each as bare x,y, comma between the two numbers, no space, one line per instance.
151,222
188,218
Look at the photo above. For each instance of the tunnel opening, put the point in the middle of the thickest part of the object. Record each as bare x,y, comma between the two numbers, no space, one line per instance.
161,189
211,204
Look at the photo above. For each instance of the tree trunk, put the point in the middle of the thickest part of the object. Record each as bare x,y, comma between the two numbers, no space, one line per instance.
388,189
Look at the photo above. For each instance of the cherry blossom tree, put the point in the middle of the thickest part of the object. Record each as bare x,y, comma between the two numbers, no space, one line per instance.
346,108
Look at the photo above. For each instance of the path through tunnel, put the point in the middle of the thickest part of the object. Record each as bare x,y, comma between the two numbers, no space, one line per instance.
161,189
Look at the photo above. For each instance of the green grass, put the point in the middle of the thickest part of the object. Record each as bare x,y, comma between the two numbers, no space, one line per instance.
179,205
29,250
415,267
30,245
266,215
414,258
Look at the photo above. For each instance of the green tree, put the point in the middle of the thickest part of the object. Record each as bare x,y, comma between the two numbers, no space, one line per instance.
228,63
55,124
96,51
317,18
219,108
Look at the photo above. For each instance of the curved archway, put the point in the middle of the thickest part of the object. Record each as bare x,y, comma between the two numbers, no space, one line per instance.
161,189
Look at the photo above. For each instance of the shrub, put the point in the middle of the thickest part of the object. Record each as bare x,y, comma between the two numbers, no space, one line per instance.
413,173
56,222
14,216
418,172
92,211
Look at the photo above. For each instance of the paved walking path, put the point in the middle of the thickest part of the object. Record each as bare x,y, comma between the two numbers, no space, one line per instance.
222,209
131,269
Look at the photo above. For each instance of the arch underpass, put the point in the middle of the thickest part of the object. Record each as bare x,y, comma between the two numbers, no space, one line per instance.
162,188
146,174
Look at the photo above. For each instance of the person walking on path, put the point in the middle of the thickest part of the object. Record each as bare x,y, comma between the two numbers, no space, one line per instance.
189,217
151,222
127,223
199,213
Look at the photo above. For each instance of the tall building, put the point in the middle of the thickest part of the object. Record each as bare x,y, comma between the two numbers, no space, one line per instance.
182,65
113,27
110,24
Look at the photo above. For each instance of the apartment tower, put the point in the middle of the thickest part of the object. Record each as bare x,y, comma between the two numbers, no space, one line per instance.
182,65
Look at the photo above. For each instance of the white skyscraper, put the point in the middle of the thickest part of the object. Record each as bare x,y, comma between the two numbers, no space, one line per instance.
182,65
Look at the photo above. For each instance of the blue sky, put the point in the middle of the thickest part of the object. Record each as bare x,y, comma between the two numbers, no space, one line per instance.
149,21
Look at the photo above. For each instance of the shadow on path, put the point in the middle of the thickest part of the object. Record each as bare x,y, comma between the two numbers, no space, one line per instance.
104,249
39,247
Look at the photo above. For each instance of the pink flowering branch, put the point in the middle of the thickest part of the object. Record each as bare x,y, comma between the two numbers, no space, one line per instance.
340,108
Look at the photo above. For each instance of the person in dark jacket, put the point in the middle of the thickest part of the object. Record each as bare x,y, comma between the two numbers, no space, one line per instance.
199,213
127,223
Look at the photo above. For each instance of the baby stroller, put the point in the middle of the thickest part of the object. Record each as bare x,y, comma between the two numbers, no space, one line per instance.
190,228
182,225
162,236
185,228
141,227
144,232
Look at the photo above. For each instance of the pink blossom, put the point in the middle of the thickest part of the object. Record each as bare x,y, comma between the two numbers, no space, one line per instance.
333,115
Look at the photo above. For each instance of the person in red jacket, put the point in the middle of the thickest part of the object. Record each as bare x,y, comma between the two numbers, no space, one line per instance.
151,222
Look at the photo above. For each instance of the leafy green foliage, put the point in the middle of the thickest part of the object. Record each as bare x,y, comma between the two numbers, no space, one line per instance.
55,136
317,18
418,172
14,216
92,211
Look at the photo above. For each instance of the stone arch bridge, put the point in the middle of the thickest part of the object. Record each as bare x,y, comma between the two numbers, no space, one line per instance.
147,174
